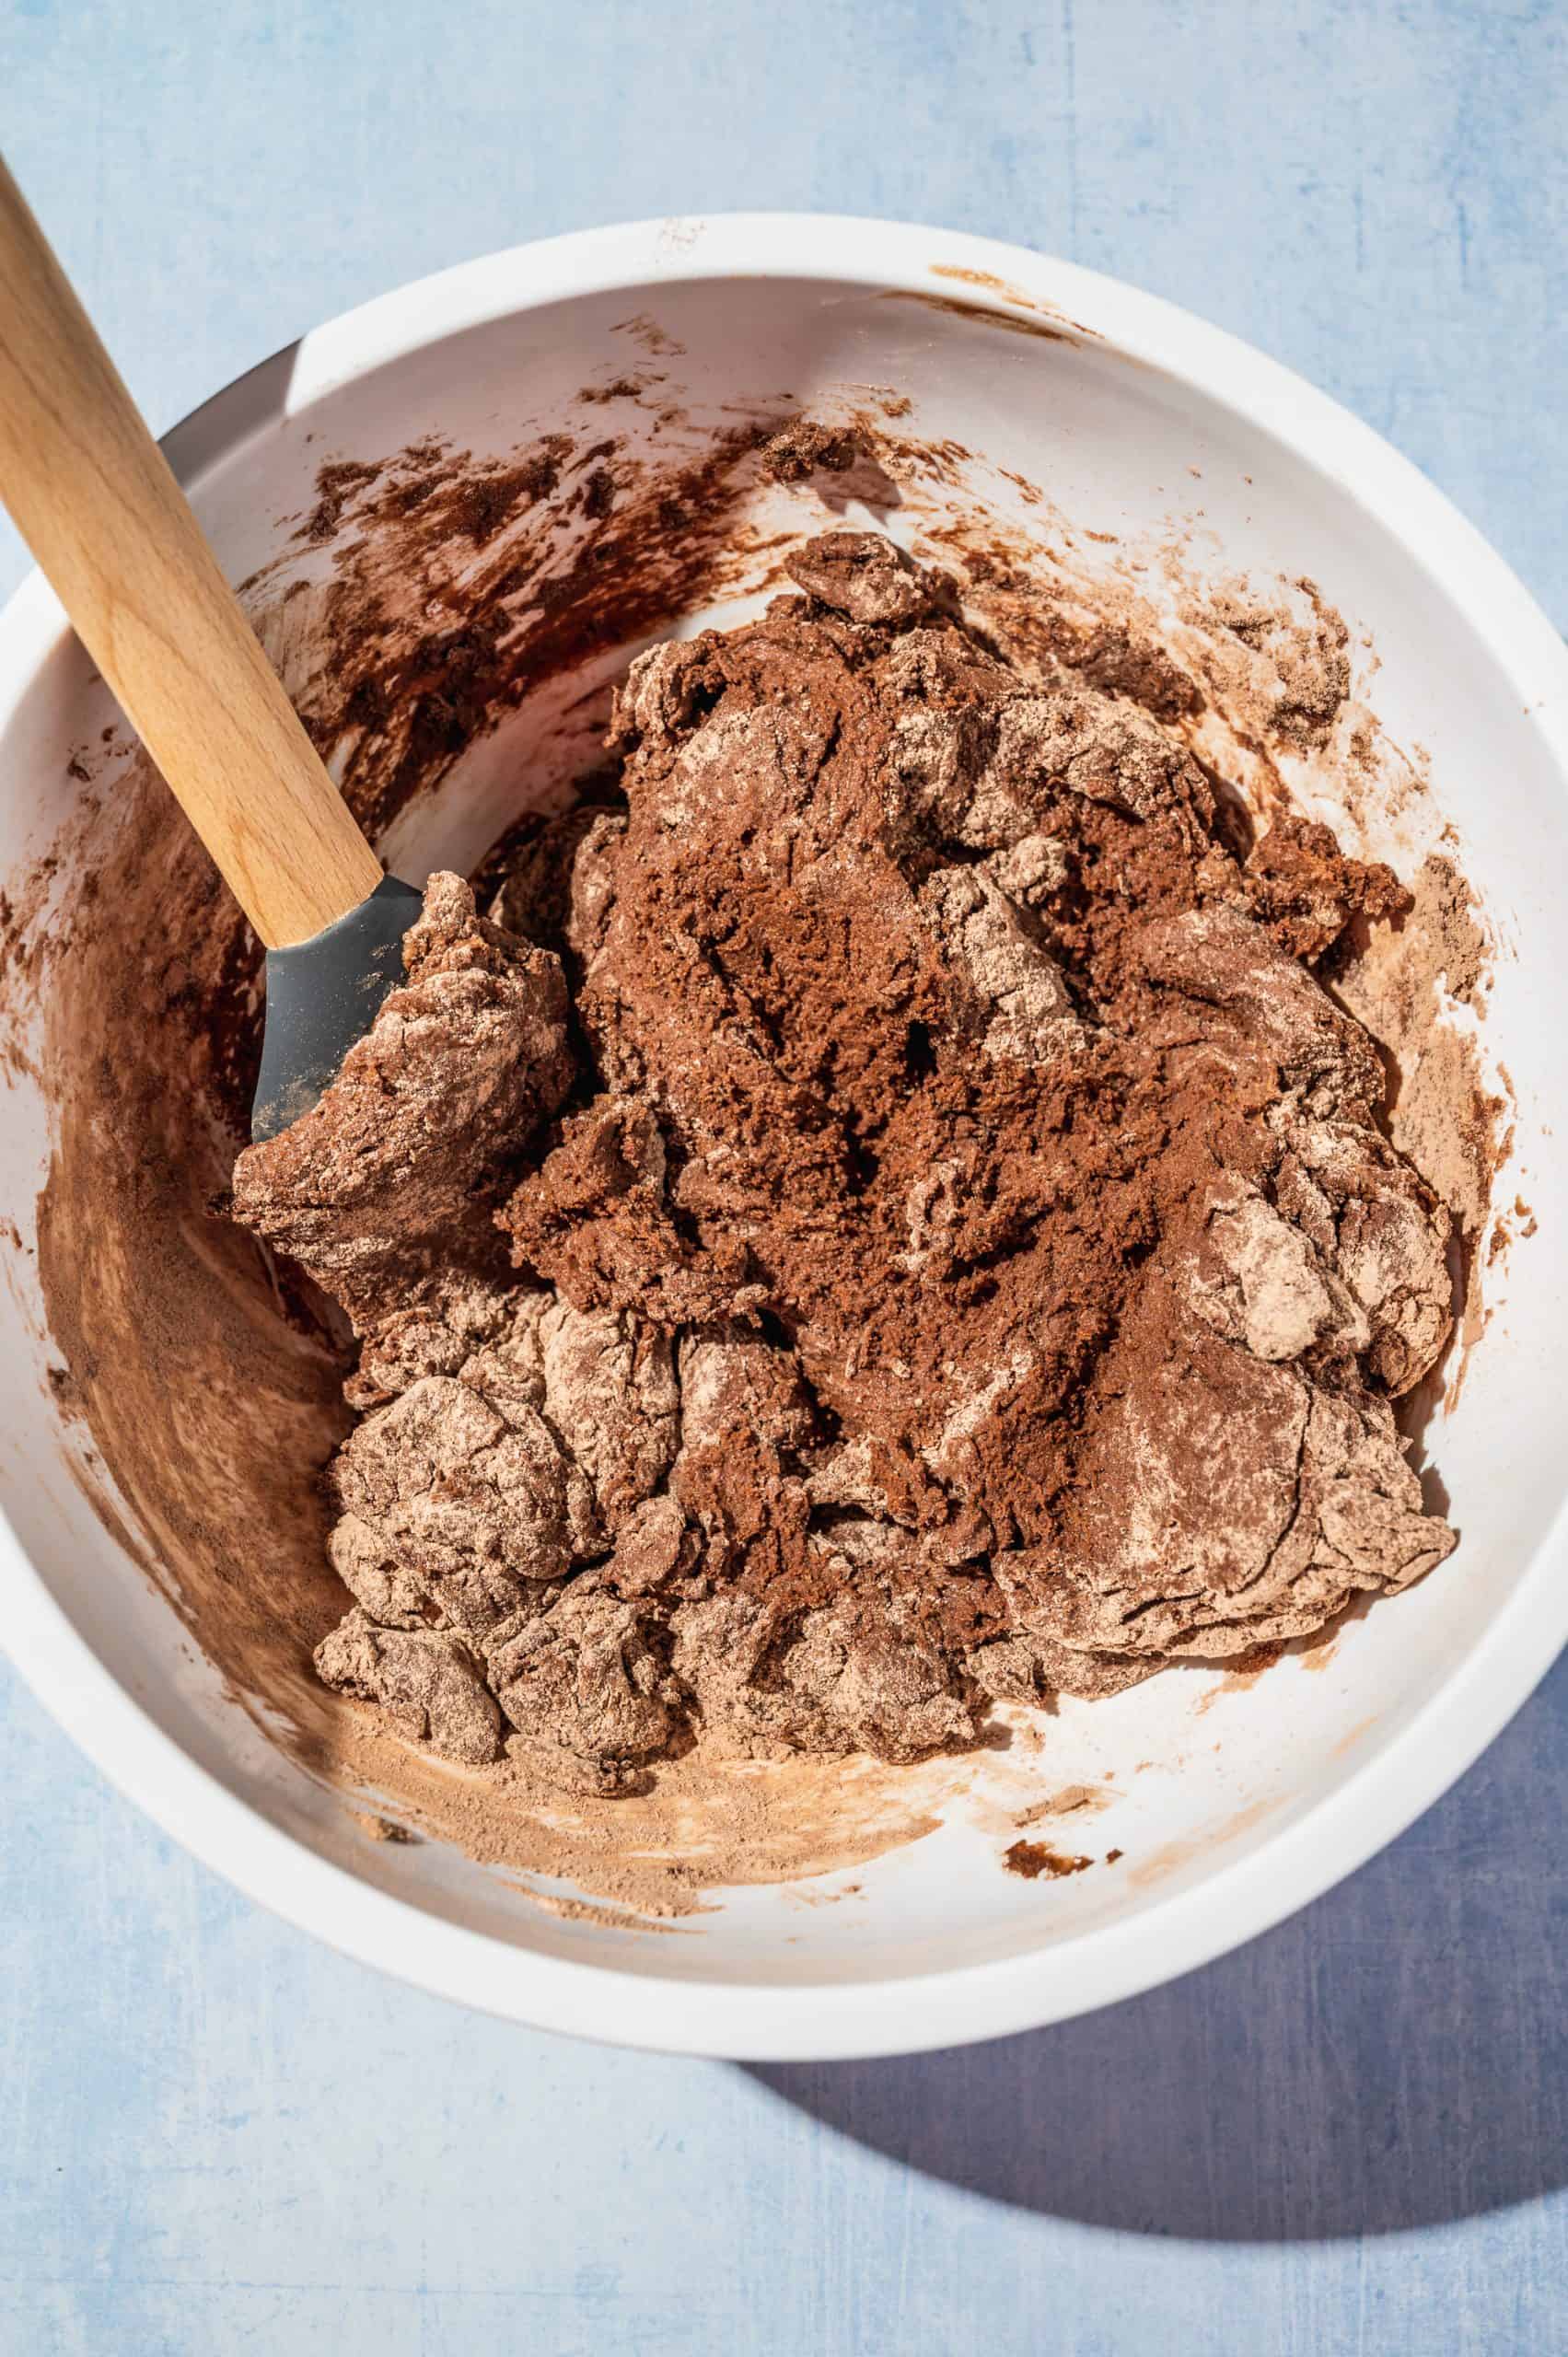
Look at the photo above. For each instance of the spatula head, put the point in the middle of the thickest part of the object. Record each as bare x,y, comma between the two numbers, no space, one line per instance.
322,996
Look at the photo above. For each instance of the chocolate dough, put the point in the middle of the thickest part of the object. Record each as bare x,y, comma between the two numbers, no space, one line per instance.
955,1254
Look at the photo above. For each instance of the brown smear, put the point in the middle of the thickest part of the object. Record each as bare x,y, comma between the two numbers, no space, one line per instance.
712,1820
464,584
1241,1678
441,595
1071,1800
381,1829
1171,1856
647,332
586,1910
993,284
1009,322
1033,1858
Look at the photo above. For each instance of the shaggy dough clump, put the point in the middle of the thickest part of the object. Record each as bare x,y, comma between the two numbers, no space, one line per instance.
954,1253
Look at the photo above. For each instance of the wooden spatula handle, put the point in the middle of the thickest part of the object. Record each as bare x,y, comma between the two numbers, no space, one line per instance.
92,494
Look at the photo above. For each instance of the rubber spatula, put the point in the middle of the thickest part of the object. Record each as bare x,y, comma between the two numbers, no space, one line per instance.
92,495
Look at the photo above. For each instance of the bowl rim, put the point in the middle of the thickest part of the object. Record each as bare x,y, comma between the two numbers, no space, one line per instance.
777,2020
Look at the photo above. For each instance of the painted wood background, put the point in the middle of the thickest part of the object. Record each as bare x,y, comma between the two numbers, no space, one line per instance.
1352,2137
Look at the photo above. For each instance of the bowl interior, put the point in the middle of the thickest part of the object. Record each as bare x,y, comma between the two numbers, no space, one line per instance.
1188,1777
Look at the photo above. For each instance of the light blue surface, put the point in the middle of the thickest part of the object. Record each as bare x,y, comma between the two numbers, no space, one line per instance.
1354,2136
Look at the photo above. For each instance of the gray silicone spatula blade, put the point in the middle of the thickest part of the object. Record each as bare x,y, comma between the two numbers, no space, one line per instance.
322,996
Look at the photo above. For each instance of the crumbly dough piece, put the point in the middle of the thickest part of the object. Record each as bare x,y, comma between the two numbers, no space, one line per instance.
390,1179
429,1685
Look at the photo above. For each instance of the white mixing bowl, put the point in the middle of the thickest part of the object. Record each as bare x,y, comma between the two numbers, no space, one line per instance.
1132,414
